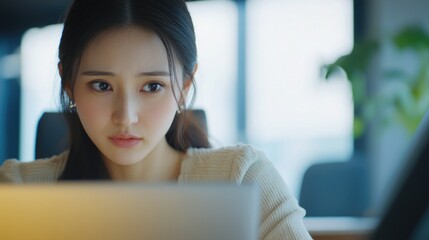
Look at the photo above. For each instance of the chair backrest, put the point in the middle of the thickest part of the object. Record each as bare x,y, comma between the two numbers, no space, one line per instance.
335,189
52,132
52,135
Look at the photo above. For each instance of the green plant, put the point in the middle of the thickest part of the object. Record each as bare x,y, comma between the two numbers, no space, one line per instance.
404,95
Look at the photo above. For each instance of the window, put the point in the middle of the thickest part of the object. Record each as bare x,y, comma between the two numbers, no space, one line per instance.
40,82
295,116
215,24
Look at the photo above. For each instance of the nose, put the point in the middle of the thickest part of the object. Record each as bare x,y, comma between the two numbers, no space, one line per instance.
125,112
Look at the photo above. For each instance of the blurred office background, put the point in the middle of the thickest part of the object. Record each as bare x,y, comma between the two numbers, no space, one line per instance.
259,81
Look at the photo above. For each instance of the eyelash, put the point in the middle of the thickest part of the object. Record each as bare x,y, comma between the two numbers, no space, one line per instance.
160,86
94,86
94,83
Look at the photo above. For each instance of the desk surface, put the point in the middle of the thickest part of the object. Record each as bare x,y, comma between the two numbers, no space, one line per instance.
345,228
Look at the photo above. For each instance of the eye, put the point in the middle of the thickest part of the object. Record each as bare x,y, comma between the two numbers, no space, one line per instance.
101,86
152,87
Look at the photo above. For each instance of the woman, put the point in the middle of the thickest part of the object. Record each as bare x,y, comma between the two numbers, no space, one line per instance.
126,69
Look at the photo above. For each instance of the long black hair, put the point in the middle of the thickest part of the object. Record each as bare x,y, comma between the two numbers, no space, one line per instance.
86,19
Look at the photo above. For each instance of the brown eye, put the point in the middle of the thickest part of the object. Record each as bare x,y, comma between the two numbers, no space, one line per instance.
152,87
101,86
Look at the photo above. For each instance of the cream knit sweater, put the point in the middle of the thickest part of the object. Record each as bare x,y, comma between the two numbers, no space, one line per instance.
281,216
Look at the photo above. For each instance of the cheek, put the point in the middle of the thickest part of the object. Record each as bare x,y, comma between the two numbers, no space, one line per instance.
161,115
92,112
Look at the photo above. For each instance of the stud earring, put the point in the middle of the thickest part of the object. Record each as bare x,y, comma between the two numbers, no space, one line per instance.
181,108
72,106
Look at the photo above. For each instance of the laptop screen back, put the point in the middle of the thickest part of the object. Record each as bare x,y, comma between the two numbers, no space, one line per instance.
128,211
407,215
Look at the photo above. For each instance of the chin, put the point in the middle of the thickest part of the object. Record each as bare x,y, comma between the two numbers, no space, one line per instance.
124,162
125,157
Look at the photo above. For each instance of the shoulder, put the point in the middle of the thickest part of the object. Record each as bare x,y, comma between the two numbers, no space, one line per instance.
41,170
242,164
227,163
279,210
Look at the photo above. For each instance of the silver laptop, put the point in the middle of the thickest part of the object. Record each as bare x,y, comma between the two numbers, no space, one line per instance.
129,211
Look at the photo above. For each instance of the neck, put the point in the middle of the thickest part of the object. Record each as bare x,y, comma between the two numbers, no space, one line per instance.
161,165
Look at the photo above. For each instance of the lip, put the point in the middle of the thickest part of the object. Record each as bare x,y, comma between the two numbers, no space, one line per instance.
125,140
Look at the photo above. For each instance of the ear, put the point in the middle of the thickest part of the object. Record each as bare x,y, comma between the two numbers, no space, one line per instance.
67,88
60,69
69,92
187,83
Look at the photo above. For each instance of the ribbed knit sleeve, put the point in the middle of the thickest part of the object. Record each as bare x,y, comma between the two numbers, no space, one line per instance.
281,216
38,171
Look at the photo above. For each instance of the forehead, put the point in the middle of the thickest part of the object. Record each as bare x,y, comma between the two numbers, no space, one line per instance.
128,47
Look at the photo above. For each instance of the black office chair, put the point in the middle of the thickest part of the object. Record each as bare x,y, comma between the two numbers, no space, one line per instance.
51,135
52,132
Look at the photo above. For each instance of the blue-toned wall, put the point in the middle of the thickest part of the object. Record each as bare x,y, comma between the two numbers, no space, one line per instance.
9,102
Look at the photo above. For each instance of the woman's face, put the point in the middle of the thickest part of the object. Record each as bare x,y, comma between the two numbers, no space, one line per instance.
123,94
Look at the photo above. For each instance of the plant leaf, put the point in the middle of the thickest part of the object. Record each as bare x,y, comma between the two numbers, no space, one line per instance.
356,62
413,37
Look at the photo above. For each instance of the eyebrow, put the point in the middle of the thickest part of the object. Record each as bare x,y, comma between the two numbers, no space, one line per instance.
142,74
